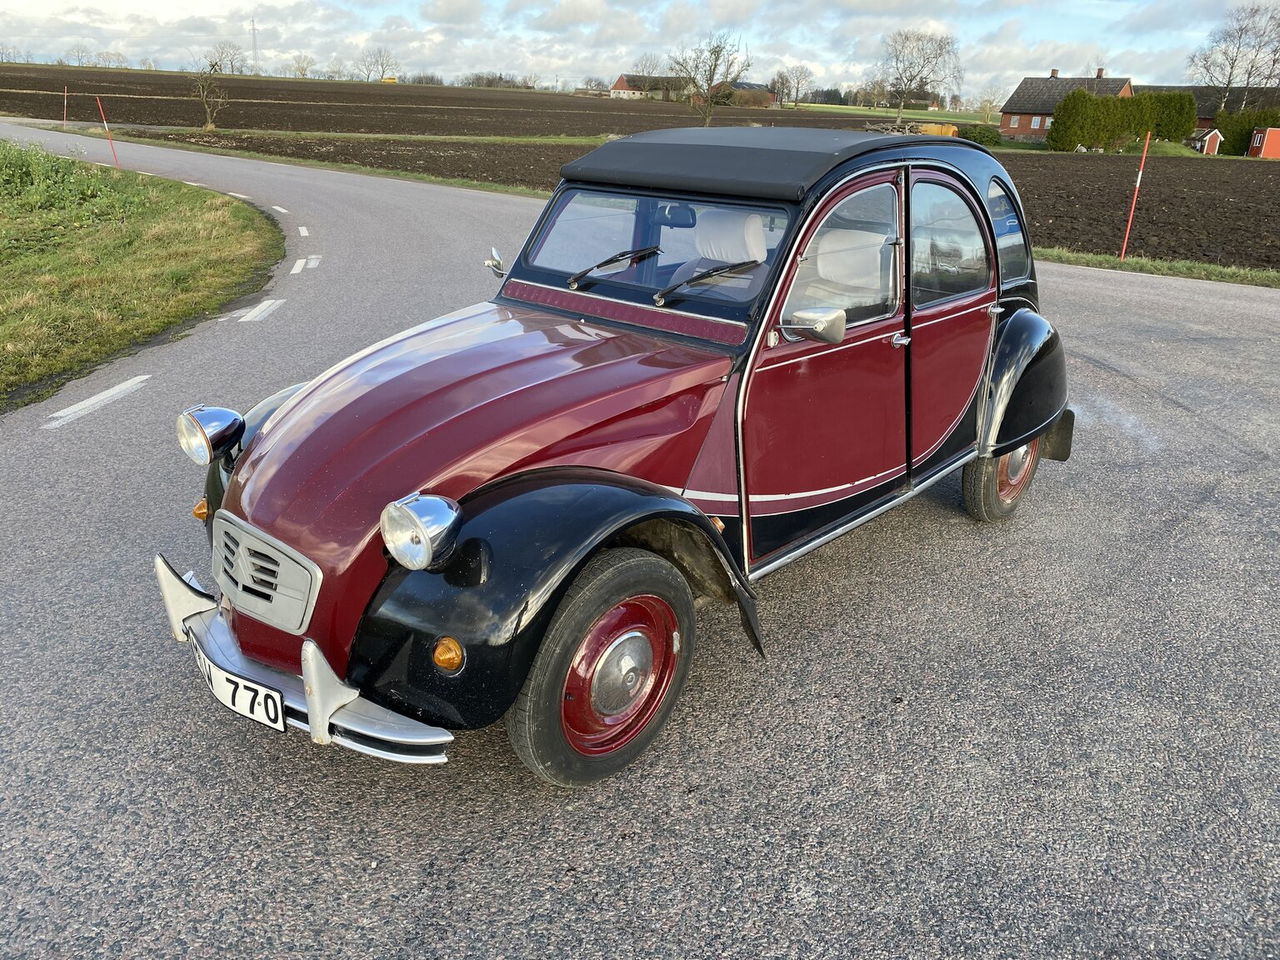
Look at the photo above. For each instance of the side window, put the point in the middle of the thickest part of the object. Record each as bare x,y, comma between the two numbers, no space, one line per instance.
948,251
1011,241
850,262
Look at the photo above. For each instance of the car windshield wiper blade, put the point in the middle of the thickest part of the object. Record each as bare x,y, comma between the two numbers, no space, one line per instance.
636,254
660,297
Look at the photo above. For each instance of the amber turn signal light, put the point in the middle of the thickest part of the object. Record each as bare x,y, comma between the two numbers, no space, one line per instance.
201,510
448,654
718,524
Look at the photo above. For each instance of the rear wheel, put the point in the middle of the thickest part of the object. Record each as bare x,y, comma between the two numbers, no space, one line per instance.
994,486
609,671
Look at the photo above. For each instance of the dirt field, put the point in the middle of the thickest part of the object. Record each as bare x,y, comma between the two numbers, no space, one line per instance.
273,103
1216,211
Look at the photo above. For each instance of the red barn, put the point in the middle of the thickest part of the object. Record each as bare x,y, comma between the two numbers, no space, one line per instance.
1265,143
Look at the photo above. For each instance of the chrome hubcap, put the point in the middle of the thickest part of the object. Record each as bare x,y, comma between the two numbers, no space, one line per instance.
1018,461
624,672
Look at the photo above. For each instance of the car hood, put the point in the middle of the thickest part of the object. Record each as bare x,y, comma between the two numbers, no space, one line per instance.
454,403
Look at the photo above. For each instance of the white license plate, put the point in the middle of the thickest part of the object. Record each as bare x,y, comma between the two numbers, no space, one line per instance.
249,699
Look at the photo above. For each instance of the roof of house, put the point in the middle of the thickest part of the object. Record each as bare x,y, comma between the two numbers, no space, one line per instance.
1206,134
1209,99
778,163
1043,94
640,81
749,85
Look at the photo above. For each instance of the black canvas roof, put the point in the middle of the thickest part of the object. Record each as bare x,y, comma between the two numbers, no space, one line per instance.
1043,94
778,163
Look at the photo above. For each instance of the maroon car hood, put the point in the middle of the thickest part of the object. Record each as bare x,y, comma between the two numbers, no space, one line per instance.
454,403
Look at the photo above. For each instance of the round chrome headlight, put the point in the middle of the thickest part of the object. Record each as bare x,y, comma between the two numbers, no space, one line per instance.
419,529
208,432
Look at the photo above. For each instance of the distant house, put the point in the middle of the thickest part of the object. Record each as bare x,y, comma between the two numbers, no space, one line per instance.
1265,142
1028,113
1206,141
749,92
633,86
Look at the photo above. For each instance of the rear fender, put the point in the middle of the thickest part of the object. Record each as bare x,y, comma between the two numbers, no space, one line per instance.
520,544
1028,391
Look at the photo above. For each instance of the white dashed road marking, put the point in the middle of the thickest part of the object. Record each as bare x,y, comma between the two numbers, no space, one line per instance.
297,267
313,262
280,209
261,311
143,173
304,232
239,196
192,183
78,410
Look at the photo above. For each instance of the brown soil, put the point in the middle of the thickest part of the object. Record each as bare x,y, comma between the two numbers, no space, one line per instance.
1215,211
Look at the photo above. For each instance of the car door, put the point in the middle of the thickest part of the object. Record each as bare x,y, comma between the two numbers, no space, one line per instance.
953,291
824,425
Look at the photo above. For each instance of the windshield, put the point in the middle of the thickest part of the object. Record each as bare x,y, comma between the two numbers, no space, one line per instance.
705,257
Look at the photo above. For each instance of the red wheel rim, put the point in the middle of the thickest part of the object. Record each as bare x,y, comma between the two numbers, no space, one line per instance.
620,675
1014,469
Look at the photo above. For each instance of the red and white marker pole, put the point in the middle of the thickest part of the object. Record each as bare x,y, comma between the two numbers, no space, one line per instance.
64,108
108,129
1134,205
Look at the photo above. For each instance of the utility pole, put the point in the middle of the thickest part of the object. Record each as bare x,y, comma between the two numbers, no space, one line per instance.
253,27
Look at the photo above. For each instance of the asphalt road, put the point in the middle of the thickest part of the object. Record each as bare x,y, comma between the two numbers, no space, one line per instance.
1055,738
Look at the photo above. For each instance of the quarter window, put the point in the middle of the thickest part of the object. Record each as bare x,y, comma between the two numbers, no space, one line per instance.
850,262
1011,239
948,251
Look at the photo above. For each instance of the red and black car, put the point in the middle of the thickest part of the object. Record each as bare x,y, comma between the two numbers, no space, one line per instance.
718,350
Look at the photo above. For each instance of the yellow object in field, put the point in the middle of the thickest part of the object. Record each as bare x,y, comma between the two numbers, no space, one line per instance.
940,129
389,80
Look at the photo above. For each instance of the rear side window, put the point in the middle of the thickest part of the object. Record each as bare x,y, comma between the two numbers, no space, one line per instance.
1011,240
948,251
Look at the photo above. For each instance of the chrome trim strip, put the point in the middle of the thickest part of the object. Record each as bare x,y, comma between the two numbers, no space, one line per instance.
356,724
826,538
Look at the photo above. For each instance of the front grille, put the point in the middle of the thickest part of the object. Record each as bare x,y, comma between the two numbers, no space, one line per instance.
262,576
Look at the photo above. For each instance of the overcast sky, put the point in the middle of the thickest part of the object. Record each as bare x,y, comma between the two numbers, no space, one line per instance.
1001,40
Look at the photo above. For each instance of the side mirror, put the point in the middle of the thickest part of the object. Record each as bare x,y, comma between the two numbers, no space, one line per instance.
824,324
494,263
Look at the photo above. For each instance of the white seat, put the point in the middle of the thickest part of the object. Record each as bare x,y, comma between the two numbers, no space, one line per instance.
726,236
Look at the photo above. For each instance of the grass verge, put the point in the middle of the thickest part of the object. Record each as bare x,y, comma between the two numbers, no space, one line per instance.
1162,268
94,261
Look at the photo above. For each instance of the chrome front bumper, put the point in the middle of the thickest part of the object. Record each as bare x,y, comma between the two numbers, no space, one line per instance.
318,701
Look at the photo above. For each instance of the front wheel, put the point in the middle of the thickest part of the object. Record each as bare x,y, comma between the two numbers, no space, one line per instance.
609,671
994,486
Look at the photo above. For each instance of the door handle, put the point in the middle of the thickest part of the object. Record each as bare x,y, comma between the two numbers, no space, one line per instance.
900,340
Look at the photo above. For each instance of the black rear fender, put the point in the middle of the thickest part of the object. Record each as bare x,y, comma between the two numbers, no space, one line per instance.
1028,394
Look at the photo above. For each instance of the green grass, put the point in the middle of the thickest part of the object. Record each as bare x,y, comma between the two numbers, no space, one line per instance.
1163,268
891,113
94,261
1162,148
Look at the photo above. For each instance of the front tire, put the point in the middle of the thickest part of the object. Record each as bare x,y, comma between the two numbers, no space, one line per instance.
609,671
994,486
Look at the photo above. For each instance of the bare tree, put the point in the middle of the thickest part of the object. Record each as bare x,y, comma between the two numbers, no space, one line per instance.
111,58
1243,53
781,86
596,84
647,66
376,61
79,55
226,57
800,81
709,69
914,62
336,70
211,96
990,101
146,63
303,64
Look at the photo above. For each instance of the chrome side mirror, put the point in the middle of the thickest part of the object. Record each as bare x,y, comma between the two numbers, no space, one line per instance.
824,324
494,263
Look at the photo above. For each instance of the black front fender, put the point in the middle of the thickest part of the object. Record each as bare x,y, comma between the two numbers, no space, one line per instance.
1028,384
520,543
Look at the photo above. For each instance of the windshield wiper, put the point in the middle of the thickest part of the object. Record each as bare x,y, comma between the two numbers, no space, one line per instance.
660,297
636,254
